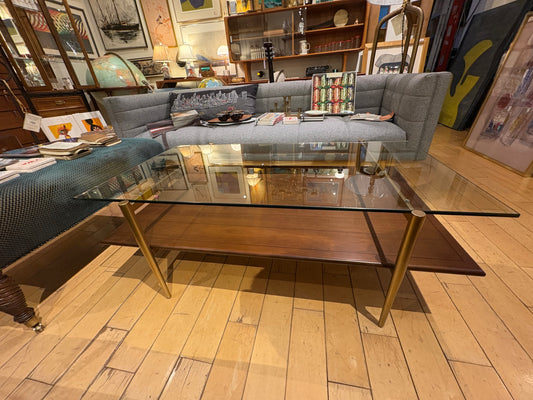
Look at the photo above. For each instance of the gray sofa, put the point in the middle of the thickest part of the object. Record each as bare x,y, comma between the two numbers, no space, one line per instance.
415,99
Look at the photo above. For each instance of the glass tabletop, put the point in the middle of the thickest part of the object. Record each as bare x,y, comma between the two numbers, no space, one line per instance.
361,176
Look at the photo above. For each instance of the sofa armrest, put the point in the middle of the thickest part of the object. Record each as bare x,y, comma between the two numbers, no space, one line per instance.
416,100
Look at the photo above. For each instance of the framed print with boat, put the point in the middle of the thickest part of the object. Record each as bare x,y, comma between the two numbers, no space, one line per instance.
119,24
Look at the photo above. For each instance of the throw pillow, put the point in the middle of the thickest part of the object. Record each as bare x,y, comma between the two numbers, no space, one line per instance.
211,101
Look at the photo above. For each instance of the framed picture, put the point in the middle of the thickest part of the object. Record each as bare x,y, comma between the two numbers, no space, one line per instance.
148,66
205,37
90,121
322,191
119,24
388,57
503,128
227,182
194,165
190,10
60,128
66,31
158,21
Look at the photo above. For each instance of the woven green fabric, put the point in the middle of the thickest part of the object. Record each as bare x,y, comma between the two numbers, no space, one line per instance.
38,206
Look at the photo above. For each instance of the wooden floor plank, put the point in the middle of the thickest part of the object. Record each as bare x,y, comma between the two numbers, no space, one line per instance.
205,337
479,382
509,359
306,371
55,364
514,314
249,301
230,368
29,387
153,373
308,289
337,391
369,299
346,360
86,368
142,335
452,332
187,381
268,365
387,368
109,385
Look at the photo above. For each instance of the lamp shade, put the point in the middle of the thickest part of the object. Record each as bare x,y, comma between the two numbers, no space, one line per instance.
160,53
222,51
185,52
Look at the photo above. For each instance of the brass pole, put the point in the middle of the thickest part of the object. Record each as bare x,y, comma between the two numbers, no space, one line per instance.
413,228
129,214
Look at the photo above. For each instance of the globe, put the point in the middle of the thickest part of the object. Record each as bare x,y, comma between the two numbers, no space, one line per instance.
210,82
111,71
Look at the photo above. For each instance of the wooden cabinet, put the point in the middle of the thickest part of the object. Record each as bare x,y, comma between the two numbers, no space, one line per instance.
298,33
64,104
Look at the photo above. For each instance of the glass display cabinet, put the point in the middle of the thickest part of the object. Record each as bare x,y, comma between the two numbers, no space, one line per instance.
329,28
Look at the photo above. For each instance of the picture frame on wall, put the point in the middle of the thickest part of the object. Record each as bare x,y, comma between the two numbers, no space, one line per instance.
119,24
66,32
187,10
148,66
503,128
388,54
159,22
204,37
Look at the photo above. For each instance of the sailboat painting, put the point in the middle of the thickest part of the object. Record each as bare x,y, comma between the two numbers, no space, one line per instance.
119,24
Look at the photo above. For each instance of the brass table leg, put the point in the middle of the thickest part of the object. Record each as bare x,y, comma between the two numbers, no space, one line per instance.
414,225
129,214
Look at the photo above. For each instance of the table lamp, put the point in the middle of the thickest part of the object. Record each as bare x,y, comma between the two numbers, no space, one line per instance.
223,51
414,17
161,55
186,54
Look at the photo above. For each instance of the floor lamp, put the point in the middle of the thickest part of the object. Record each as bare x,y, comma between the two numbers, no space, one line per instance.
414,17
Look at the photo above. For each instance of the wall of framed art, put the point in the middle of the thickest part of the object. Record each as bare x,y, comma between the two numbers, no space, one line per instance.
503,128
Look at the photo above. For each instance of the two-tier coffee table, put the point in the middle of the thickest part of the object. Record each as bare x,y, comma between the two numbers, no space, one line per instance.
364,203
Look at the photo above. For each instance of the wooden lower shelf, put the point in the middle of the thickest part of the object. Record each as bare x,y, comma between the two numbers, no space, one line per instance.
319,235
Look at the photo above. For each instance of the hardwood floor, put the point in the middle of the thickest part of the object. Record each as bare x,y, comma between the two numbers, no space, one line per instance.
245,328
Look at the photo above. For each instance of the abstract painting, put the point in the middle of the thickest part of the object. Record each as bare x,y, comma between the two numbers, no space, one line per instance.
189,10
158,21
119,24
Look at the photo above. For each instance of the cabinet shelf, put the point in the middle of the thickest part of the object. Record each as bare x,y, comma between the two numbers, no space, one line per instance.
246,33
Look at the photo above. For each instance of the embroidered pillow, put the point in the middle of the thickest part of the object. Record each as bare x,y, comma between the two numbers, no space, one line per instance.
208,102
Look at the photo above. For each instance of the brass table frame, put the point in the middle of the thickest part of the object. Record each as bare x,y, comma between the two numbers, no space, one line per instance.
415,221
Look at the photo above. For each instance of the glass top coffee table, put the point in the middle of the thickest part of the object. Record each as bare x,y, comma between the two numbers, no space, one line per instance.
363,202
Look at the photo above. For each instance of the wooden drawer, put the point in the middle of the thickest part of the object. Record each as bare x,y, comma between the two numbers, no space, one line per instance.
7,102
11,119
69,104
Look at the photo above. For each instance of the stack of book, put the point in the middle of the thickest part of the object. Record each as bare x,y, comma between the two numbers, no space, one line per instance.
104,137
65,150
31,164
7,176
270,118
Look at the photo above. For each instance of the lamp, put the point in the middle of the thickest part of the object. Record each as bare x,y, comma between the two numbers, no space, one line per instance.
252,178
186,54
223,51
414,16
161,55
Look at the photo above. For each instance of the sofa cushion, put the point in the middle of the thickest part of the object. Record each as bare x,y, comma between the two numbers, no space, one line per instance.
209,102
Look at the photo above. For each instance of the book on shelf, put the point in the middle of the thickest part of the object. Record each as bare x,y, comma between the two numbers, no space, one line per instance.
25,152
270,118
105,137
8,175
31,164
